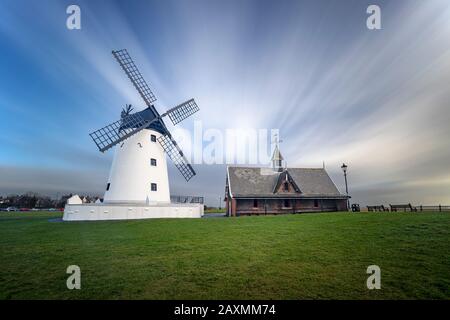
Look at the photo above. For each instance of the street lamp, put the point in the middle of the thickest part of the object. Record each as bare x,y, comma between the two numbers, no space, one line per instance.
344,168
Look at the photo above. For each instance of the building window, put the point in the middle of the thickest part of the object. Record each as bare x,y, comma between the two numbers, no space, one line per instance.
107,186
153,138
316,203
153,162
255,203
286,186
286,203
154,187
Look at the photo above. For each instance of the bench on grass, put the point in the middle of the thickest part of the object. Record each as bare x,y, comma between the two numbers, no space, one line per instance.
377,208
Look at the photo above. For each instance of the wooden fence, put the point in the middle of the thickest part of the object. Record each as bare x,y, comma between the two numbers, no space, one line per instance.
408,208
433,208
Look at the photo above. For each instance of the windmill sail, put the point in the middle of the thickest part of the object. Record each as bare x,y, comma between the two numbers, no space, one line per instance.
176,155
122,129
149,118
135,76
182,111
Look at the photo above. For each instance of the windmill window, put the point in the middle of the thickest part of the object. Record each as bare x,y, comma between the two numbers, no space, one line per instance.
107,186
153,162
286,186
154,187
153,138
316,203
255,203
286,203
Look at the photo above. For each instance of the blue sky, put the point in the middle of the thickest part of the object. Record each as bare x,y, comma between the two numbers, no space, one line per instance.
338,92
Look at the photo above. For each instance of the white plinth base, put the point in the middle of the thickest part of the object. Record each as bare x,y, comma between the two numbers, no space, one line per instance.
123,211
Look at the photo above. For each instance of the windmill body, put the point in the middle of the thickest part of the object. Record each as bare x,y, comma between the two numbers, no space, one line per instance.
138,184
138,163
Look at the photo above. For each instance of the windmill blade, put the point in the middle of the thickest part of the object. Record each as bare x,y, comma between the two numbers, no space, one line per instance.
174,152
135,76
113,133
182,111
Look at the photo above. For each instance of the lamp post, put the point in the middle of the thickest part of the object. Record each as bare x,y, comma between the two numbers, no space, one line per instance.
344,168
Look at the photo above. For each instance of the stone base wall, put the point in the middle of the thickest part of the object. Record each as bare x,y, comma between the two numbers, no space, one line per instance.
93,212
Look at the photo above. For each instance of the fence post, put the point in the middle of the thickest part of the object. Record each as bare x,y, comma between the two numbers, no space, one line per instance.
440,208
421,209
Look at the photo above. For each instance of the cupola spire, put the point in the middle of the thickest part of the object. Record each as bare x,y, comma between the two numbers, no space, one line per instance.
277,158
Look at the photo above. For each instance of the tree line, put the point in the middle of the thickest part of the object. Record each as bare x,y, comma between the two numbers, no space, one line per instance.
34,200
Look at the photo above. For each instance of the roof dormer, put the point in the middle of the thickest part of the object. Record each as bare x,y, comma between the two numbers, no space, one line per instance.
286,184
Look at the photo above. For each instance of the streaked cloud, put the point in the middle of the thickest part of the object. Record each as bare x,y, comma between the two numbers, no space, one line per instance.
377,100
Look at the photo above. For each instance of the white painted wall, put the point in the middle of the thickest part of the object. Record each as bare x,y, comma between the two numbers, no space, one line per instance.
131,173
95,212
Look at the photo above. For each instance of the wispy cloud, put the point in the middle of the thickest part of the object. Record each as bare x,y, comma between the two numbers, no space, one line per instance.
338,91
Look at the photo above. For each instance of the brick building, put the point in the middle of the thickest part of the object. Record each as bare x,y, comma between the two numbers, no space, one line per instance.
274,190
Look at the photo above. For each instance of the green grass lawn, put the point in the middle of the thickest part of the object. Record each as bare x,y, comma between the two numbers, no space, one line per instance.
308,256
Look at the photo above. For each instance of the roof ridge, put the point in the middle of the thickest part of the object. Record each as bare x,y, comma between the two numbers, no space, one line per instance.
255,180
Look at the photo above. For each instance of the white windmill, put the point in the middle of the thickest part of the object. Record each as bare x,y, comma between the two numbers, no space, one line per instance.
138,179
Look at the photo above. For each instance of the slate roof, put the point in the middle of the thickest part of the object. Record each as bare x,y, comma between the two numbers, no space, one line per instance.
148,114
260,182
